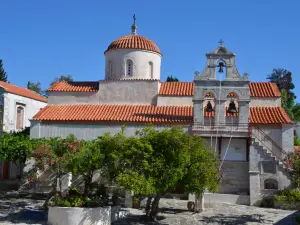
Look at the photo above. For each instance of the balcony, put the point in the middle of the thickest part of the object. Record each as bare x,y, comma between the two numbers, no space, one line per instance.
221,129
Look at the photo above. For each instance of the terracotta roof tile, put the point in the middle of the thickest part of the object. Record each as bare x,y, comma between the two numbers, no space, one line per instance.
257,89
269,115
22,91
177,88
133,41
84,86
146,114
120,113
264,89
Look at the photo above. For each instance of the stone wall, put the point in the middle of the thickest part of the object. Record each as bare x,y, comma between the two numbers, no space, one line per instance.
236,178
262,167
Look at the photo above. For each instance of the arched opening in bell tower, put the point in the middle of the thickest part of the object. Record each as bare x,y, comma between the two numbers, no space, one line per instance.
220,70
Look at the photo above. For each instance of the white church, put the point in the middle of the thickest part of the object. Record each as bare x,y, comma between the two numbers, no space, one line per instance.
242,120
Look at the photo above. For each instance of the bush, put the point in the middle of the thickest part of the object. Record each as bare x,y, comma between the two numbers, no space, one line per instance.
75,198
288,196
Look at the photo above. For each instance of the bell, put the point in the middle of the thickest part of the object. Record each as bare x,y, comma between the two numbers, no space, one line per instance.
232,108
221,65
209,107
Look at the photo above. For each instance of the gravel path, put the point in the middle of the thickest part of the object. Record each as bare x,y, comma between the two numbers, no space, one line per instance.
27,211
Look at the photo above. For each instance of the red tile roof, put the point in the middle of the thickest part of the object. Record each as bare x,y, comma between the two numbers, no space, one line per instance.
22,91
133,41
120,113
146,114
264,89
257,89
84,86
269,115
177,88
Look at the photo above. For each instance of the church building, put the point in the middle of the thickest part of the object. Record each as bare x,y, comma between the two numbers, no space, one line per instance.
242,120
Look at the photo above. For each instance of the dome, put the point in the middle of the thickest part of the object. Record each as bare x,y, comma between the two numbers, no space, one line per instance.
133,41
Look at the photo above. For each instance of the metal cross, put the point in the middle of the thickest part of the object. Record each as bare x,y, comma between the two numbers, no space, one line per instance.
221,42
134,18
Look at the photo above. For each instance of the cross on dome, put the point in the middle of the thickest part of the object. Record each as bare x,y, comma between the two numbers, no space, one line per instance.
221,42
133,27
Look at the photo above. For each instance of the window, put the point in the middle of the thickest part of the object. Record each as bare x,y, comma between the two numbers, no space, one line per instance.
129,66
271,184
20,118
151,70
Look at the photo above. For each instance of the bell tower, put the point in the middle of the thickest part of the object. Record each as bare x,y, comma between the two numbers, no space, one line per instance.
221,101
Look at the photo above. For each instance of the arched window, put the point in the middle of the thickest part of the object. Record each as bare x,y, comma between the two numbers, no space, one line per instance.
129,67
20,118
271,184
151,70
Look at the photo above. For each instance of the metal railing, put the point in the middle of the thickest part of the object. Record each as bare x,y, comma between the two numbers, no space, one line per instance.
268,143
221,127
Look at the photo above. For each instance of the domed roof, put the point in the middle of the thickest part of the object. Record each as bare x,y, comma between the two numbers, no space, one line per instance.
133,41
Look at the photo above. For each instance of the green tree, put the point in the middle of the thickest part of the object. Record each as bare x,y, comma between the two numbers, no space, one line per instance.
87,162
172,79
67,78
154,162
283,79
3,75
53,154
16,148
36,87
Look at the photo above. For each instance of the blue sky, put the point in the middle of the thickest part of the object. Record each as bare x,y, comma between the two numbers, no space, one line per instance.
41,40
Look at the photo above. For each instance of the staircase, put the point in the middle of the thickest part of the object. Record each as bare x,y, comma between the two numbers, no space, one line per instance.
264,142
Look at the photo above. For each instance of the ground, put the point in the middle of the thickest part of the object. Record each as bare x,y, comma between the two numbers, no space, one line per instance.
21,211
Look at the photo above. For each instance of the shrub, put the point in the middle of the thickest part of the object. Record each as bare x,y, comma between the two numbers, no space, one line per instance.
288,196
75,198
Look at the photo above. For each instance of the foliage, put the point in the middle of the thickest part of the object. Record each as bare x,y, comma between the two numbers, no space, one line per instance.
296,141
75,198
3,75
293,163
53,154
155,161
87,162
201,171
288,196
15,147
172,79
283,79
62,78
36,87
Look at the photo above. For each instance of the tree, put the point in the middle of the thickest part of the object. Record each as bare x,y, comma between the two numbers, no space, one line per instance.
155,161
16,148
283,79
62,78
36,87
87,162
53,154
172,79
3,75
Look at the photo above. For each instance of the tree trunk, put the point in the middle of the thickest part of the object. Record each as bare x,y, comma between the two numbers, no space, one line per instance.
148,205
154,208
87,183
199,206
